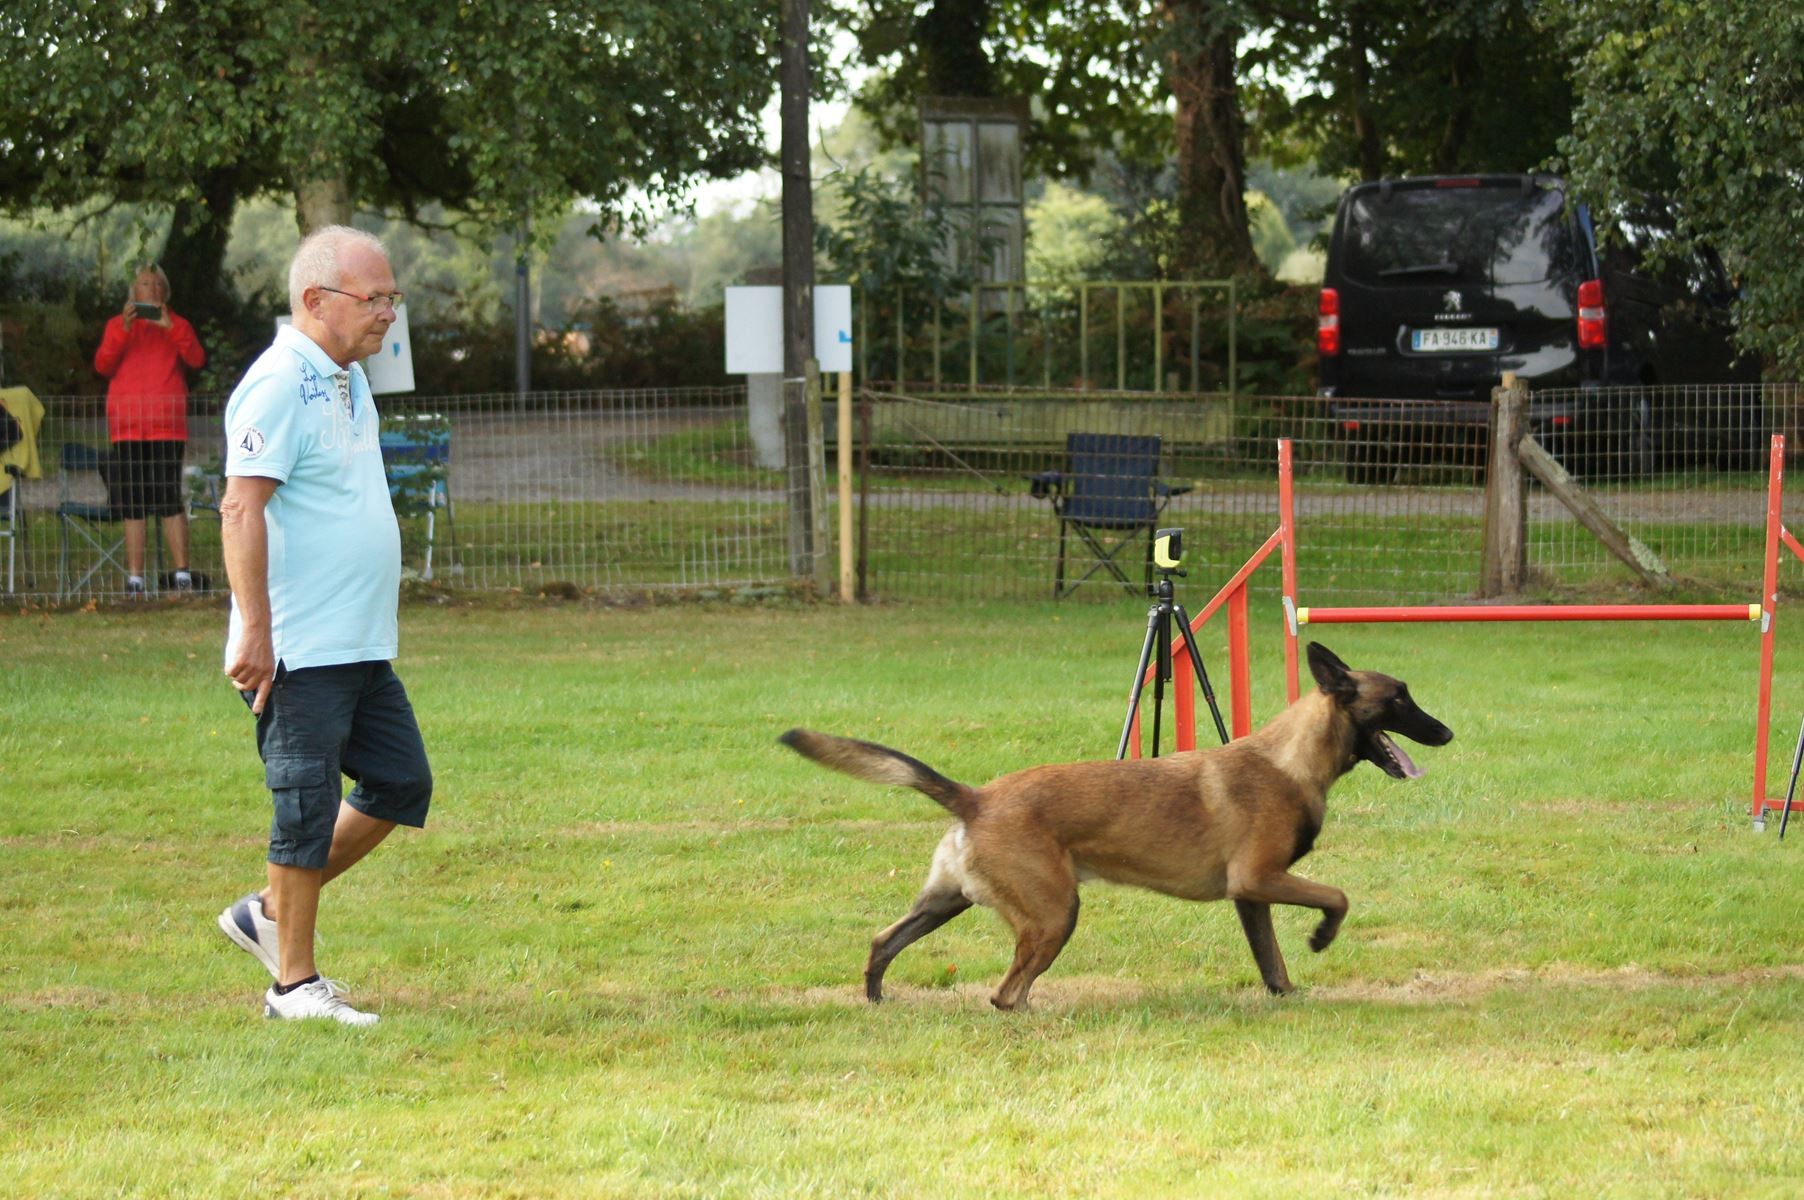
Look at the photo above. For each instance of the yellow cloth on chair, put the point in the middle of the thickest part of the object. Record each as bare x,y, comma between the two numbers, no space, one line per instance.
28,411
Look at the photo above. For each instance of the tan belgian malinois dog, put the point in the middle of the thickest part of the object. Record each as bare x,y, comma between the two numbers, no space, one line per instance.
1201,825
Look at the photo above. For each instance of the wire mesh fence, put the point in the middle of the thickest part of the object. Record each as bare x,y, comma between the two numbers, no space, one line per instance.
595,491
980,493
1389,494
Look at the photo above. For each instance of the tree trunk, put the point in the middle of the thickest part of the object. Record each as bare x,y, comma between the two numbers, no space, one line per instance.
798,193
1213,238
194,255
1462,81
319,202
798,281
1365,127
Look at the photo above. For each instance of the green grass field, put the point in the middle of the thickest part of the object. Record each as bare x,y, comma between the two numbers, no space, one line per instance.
624,958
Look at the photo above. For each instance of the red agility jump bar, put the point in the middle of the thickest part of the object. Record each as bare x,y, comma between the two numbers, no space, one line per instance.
1530,612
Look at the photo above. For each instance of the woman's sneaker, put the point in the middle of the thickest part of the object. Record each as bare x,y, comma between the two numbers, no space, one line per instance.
316,999
248,929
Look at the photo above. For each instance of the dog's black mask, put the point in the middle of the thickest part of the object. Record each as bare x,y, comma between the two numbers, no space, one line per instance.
1379,706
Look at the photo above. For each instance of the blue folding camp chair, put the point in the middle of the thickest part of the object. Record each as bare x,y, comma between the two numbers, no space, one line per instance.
1108,495
83,521
416,453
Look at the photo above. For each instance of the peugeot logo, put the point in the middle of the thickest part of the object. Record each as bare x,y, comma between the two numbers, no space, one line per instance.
1452,302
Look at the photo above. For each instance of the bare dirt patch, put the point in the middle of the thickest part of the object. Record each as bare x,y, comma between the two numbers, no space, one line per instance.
1447,987
1424,988
1096,991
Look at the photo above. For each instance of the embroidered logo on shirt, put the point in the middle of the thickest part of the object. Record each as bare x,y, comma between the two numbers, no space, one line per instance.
251,442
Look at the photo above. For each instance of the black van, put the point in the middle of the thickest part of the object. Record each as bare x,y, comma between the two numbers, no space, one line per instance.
1434,287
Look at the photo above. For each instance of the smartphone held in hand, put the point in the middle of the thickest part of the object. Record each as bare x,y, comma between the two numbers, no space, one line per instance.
150,312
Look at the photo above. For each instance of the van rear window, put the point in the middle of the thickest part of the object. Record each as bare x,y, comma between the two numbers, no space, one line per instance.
1466,235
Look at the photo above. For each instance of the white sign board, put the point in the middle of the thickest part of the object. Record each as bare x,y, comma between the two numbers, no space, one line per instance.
390,369
755,329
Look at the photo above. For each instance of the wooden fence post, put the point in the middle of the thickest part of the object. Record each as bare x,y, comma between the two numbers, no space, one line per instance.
1505,566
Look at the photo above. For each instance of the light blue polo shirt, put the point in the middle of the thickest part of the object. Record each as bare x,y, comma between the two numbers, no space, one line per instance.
334,546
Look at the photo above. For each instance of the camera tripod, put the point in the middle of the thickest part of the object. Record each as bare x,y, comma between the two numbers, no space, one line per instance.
1158,637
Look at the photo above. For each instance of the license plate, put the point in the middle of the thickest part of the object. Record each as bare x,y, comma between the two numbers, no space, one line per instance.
1441,341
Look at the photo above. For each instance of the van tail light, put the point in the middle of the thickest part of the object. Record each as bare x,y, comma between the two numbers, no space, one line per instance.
1327,323
1591,315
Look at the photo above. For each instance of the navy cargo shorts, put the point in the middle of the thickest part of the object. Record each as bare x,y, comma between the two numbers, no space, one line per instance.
323,722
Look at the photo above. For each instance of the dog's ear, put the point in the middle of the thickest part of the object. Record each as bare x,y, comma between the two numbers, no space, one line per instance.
1334,676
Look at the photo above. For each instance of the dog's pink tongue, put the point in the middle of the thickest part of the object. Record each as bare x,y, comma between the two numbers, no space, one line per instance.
1410,769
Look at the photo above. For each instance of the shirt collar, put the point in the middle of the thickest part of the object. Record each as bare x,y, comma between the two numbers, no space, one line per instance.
310,351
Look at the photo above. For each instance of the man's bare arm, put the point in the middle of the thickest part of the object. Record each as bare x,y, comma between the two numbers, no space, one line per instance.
244,538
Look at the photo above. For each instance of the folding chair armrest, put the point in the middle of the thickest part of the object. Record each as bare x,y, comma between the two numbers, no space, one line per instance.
1171,489
1046,483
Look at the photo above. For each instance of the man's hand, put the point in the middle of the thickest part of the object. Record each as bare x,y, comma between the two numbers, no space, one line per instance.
253,666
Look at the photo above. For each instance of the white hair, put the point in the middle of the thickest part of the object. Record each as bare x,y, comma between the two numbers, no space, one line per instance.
315,262
148,269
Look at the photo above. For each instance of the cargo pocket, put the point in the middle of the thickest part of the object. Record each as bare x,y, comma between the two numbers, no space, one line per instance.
305,794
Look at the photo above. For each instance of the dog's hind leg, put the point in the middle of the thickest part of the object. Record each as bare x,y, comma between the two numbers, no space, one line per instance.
931,910
1256,920
1037,942
942,898
1038,898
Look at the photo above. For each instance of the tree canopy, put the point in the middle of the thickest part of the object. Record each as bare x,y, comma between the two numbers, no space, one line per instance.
493,110
1395,87
1701,103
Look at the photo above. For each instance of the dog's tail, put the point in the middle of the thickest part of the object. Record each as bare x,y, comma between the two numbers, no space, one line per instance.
880,764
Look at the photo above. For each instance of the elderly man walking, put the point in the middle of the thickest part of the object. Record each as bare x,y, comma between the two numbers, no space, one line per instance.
313,554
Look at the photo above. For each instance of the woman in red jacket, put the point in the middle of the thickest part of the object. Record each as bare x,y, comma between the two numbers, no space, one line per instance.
143,354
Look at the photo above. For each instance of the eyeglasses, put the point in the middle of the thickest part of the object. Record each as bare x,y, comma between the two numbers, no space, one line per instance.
381,301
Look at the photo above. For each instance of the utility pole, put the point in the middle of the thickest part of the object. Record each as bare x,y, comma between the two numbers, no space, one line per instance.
798,281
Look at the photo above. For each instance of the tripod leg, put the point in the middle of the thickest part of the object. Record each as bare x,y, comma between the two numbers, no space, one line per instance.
1797,760
1202,676
1161,670
1146,654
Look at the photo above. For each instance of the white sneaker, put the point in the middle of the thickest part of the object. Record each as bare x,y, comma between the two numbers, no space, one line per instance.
316,999
248,929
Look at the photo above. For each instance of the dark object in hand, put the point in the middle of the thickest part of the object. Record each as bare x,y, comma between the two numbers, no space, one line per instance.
150,312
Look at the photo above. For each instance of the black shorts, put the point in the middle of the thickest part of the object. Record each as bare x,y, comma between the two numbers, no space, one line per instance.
144,479
323,722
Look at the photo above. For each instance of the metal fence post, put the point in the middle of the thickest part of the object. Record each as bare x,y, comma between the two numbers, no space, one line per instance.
795,452
864,491
1159,336
1083,335
819,538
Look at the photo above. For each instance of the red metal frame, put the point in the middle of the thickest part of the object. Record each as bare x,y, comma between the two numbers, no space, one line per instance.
1234,597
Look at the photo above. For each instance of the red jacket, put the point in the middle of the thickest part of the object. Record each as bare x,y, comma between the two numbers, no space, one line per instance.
147,398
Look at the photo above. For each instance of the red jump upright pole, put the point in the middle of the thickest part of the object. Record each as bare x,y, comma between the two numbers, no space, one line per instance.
1769,599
